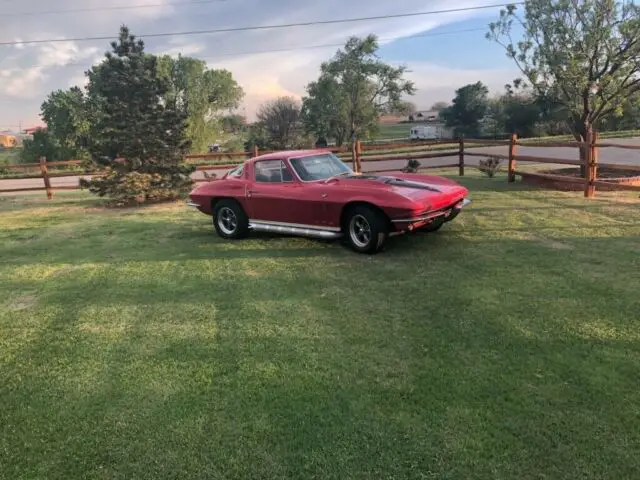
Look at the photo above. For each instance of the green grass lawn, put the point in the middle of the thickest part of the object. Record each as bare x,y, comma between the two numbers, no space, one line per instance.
395,130
136,344
10,156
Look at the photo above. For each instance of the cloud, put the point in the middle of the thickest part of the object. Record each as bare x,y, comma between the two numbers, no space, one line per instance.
28,79
28,72
437,83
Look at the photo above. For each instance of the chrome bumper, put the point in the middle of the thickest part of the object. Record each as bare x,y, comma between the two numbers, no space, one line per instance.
458,206
191,204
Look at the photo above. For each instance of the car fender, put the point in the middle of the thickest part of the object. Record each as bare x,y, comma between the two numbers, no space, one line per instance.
388,203
205,194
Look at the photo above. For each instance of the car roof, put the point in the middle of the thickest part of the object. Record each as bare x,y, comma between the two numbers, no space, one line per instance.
291,154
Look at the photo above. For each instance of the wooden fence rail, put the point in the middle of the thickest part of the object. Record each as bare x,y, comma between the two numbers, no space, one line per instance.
419,150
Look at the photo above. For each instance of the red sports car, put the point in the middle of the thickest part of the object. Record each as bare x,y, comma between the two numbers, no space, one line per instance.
313,193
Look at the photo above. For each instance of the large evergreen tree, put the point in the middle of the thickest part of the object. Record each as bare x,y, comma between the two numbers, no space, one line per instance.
138,136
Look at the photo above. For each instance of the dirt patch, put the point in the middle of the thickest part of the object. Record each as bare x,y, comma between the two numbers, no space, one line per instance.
615,176
23,302
605,174
553,244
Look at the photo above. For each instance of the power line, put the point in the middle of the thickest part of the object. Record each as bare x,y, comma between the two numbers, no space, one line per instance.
260,27
305,47
112,8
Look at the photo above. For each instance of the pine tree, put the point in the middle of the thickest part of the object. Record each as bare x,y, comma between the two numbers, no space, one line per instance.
137,136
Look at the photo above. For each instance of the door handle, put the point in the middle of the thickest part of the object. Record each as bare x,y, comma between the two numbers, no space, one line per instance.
323,195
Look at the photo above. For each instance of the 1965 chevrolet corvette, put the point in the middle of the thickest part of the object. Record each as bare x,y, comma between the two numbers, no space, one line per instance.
313,193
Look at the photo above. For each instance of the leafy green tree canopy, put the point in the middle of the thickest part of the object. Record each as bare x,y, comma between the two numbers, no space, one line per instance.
362,86
468,108
205,95
581,53
65,114
324,110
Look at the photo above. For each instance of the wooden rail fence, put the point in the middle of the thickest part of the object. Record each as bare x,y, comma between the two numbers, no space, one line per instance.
422,150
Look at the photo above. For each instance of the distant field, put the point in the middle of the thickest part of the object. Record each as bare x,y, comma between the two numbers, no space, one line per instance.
395,130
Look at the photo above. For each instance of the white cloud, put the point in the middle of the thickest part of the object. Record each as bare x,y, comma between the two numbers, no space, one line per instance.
31,71
183,48
29,81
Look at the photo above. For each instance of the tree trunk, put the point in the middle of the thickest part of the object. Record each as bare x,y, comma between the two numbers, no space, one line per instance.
580,134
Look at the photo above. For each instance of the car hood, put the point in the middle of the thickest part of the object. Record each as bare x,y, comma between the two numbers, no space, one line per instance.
435,190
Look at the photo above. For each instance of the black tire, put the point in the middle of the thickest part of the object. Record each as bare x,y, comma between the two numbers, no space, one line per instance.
229,220
433,226
454,213
360,220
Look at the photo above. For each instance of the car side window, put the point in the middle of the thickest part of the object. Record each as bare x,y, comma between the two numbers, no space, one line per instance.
272,171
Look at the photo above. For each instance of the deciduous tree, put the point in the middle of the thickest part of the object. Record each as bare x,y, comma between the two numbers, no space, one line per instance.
439,106
42,145
324,110
469,107
65,114
367,87
205,95
280,119
582,53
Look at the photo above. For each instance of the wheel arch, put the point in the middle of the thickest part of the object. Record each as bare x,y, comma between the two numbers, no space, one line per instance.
218,198
354,203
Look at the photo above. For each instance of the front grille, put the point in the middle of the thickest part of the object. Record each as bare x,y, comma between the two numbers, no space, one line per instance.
438,212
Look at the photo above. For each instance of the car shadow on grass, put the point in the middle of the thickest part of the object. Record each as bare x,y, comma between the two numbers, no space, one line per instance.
308,390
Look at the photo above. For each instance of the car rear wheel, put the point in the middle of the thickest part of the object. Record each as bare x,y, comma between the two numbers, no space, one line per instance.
366,229
229,220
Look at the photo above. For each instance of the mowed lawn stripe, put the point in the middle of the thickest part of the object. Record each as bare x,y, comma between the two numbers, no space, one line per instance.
135,343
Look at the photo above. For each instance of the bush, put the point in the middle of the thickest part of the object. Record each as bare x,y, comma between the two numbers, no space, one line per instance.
490,166
412,166
135,188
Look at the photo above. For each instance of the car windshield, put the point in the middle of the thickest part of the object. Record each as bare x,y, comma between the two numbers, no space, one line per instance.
319,167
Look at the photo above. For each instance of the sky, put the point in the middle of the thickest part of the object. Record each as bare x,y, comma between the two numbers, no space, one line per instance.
442,51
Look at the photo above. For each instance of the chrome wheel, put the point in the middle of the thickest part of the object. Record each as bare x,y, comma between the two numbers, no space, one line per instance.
360,231
227,220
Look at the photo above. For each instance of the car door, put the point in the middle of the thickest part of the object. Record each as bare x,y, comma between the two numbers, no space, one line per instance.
274,195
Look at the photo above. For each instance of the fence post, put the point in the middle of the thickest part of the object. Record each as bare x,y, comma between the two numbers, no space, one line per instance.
255,151
513,148
45,177
593,164
461,155
588,164
355,155
359,155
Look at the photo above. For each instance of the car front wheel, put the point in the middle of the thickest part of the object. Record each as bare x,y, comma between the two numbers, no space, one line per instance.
434,226
366,229
229,220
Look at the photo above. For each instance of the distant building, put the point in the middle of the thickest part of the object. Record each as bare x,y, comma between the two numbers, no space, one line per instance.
8,141
424,116
30,131
390,119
